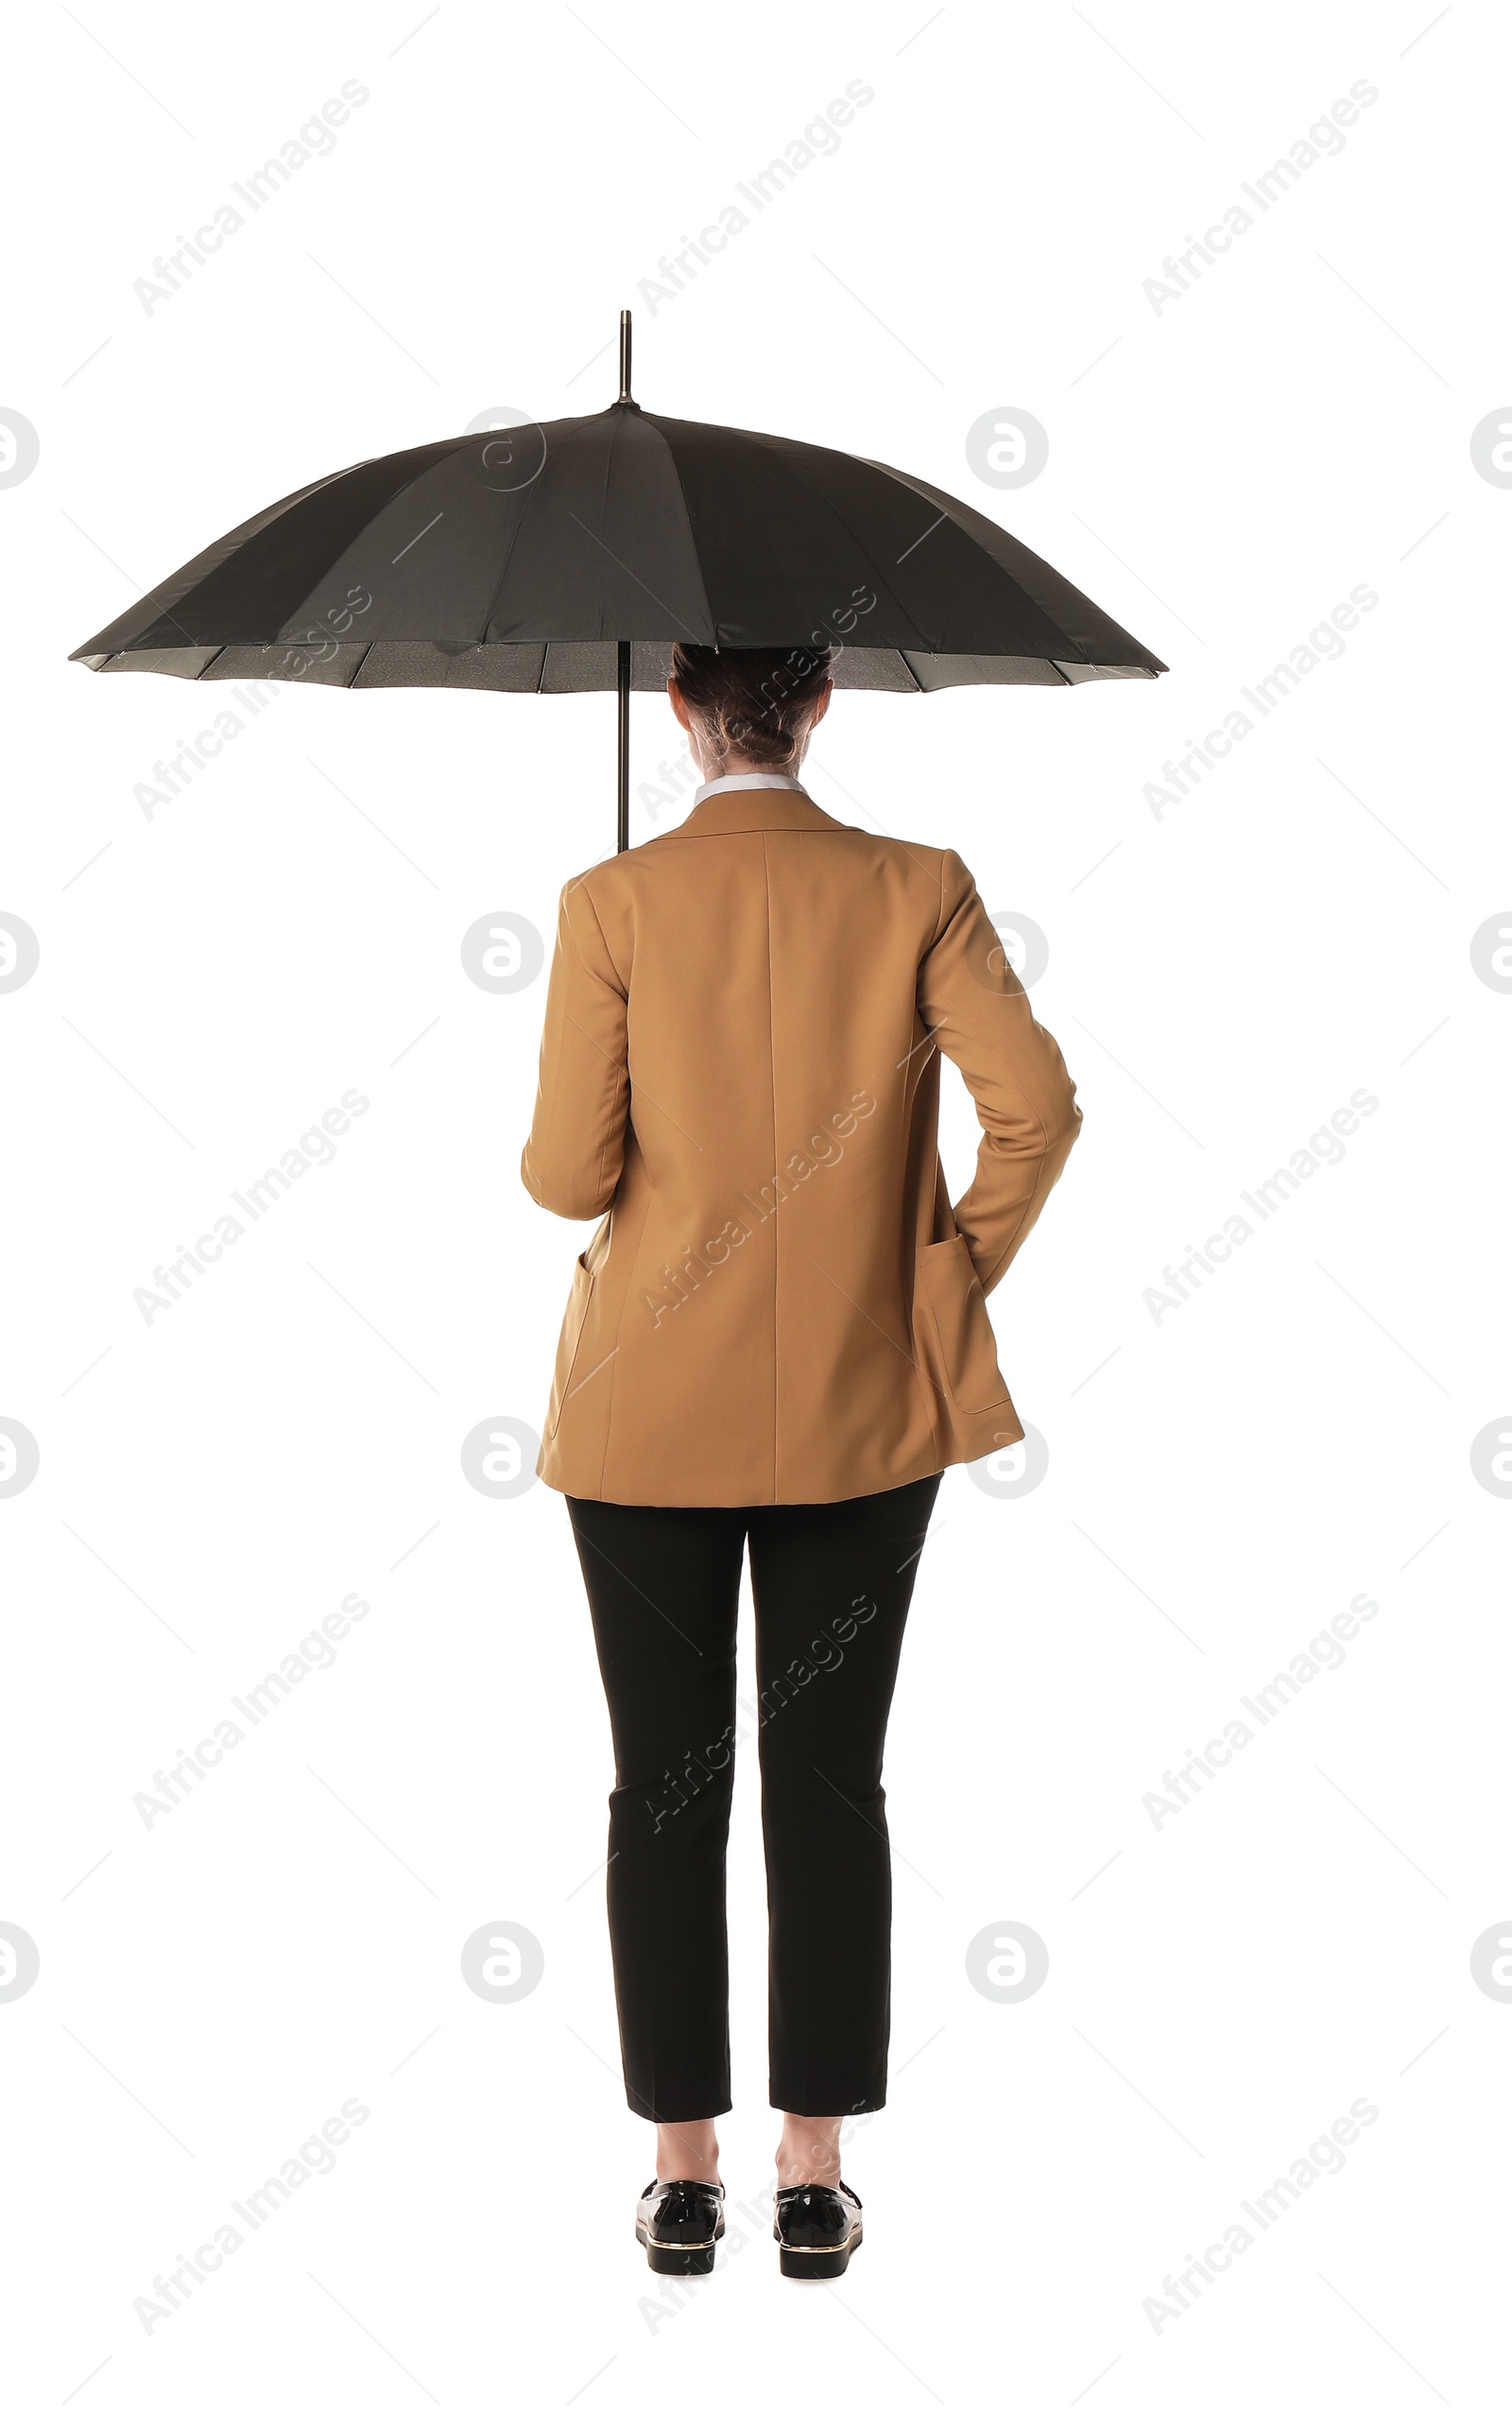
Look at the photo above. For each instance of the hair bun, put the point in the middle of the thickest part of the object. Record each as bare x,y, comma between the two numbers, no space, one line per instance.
754,700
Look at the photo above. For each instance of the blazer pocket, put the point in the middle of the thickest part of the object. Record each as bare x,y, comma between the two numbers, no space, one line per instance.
572,1332
953,1327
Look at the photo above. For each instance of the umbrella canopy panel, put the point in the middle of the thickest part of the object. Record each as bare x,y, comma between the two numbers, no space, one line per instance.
521,561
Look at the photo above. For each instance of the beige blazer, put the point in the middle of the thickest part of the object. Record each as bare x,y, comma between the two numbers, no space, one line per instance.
740,1072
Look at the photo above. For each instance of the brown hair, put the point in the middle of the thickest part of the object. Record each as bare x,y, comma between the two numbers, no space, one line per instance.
756,700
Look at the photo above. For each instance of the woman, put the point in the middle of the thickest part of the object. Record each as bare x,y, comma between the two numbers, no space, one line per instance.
778,1336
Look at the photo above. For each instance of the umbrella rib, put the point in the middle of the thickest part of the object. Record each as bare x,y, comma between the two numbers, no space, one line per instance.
536,484
630,572
1047,609
610,451
609,464
442,457
683,492
776,446
260,520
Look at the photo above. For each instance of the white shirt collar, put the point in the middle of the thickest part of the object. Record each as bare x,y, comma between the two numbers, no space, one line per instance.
748,779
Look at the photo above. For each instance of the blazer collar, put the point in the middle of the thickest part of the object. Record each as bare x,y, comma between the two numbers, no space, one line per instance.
730,804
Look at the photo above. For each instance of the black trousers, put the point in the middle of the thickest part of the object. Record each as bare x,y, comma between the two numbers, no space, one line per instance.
832,1586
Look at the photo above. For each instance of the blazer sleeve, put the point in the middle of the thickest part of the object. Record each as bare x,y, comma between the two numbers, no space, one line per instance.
574,1156
972,999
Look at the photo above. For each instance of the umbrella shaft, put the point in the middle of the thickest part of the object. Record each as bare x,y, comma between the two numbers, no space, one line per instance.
624,826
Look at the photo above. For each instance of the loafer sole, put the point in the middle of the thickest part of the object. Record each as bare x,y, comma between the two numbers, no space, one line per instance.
679,2260
819,2261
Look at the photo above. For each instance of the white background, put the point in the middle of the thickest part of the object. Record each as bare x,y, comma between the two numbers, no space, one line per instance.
1222,1482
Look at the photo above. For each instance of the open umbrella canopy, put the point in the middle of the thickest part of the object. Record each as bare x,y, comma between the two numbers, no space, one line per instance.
558,558
520,560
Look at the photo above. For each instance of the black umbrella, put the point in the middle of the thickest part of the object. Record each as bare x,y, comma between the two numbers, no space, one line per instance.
570,557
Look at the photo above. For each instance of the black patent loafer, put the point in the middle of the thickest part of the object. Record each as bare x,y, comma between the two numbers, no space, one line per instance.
818,2228
679,2220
